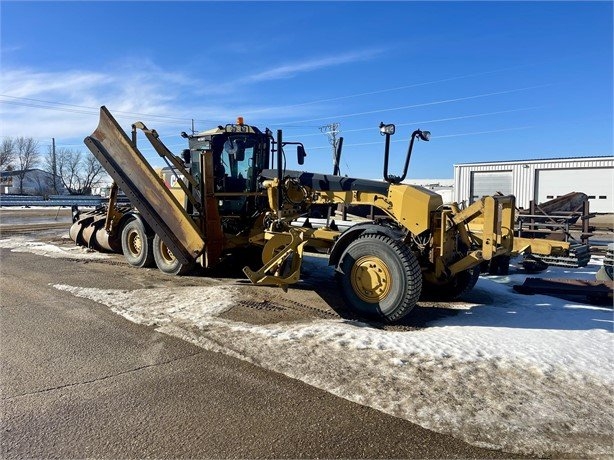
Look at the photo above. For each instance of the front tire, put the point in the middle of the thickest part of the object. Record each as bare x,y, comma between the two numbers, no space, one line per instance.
137,244
166,261
379,277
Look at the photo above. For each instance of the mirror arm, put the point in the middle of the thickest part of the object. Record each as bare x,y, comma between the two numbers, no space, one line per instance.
409,150
395,179
279,174
300,144
386,155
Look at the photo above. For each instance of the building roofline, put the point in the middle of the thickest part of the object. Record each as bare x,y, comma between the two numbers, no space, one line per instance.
15,172
539,160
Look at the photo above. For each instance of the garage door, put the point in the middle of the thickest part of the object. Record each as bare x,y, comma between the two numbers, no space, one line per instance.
597,183
489,183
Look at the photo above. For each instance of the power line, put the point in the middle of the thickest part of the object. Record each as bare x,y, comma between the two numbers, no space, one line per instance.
74,108
445,136
38,106
86,110
379,91
424,104
475,133
437,120
397,88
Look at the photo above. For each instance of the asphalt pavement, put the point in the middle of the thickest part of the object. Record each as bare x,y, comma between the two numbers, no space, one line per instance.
78,381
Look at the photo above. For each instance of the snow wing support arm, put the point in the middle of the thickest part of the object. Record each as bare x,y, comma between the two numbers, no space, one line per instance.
170,159
488,224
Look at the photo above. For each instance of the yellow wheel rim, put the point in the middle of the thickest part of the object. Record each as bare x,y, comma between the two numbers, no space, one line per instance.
166,254
371,279
135,245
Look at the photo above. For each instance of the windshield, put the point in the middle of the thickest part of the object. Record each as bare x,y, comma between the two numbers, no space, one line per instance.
238,156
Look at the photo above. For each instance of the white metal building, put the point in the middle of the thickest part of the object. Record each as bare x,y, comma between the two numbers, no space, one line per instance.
444,187
539,180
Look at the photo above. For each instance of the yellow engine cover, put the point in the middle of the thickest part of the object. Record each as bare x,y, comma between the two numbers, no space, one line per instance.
412,206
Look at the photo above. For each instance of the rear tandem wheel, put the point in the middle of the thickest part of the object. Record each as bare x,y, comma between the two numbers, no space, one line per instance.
137,244
166,261
453,288
379,277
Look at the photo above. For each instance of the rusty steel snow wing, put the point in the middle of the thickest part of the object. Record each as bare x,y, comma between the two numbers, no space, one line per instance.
145,189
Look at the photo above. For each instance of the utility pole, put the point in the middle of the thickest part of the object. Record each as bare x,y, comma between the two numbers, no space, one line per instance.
54,167
331,130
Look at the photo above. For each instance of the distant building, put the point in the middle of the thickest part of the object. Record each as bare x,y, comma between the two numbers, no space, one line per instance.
103,189
538,180
35,182
444,187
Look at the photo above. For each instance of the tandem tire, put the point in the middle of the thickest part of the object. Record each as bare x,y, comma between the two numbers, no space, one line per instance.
166,261
458,285
137,244
379,277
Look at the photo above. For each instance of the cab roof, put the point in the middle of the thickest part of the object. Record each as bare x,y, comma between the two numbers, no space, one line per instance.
229,129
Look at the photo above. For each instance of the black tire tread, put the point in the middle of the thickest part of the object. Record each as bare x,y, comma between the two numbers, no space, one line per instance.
148,259
411,269
176,269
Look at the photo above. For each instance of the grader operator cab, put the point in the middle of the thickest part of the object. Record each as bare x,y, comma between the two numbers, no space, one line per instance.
237,195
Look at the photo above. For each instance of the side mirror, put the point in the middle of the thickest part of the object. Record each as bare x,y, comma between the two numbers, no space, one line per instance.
424,135
235,149
300,154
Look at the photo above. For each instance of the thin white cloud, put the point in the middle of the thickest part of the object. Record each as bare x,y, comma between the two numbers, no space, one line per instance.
8,49
60,104
30,83
65,104
295,68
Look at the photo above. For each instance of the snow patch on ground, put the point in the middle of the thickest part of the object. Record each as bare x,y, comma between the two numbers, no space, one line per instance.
23,244
527,374
155,307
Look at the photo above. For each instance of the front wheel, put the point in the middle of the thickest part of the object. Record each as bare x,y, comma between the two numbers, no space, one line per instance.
166,261
379,277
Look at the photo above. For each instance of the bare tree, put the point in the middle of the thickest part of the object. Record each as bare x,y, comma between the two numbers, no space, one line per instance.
7,153
67,164
93,172
44,185
49,165
77,172
27,157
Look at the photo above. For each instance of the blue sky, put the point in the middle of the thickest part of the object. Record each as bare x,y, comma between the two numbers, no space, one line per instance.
490,80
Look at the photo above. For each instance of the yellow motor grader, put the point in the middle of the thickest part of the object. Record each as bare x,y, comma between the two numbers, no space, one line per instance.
234,200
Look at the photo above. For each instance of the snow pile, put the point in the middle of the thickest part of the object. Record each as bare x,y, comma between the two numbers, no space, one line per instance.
527,374
23,244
